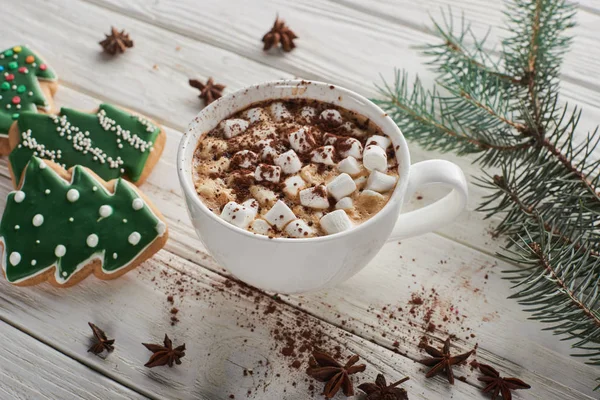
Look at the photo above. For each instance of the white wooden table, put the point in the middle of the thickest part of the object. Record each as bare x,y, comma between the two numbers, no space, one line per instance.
345,42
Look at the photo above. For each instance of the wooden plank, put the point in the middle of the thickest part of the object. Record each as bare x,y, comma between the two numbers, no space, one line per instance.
33,370
151,78
487,17
121,93
227,330
349,42
500,328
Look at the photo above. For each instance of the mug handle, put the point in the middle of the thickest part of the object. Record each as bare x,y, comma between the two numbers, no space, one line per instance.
443,211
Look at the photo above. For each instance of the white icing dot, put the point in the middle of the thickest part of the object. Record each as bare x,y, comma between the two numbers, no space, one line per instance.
15,258
37,242
42,165
115,256
71,219
64,274
38,220
94,188
92,240
19,196
161,228
124,220
105,211
60,250
73,195
137,204
17,227
47,191
33,262
134,238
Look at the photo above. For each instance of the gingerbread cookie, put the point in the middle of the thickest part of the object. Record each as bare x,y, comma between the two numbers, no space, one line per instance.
112,142
27,83
60,226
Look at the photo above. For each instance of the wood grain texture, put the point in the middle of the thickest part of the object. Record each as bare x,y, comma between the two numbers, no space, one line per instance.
164,94
500,328
349,42
134,307
33,370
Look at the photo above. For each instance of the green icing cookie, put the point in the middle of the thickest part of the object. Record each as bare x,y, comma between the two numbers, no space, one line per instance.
20,69
53,222
111,142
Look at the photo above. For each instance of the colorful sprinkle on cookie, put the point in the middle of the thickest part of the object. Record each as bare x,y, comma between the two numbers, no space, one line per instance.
21,71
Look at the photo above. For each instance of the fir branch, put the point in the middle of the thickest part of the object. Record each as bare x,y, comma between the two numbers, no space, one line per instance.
419,113
548,194
559,265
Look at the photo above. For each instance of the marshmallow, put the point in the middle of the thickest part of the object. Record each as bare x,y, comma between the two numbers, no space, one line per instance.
353,129
266,172
381,141
336,221
237,214
308,114
279,112
341,186
344,204
233,127
349,147
380,182
289,162
349,165
360,182
375,158
279,215
314,197
293,185
299,229
256,114
323,155
329,138
244,158
371,194
331,117
302,141
265,149
263,195
252,205
260,226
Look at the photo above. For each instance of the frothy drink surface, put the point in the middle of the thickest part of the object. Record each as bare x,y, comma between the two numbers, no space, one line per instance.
295,168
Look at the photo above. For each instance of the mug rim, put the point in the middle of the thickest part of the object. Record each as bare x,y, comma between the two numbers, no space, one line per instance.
402,154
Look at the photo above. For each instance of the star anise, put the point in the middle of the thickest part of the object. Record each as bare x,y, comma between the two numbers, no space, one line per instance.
102,342
442,360
325,368
164,355
380,390
116,42
210,91
279,34
499,385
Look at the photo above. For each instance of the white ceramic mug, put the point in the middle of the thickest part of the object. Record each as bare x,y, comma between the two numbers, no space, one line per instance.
298,265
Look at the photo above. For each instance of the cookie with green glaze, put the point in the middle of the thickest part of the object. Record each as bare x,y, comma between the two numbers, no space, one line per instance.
111,141
61,226
27,83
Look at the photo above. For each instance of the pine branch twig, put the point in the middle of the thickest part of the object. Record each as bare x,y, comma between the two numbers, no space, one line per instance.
506,110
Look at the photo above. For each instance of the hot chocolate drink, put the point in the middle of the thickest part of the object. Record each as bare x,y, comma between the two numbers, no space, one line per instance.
295,168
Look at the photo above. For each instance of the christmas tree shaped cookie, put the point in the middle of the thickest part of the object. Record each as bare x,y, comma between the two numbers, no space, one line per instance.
112,142
60,226
27,83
